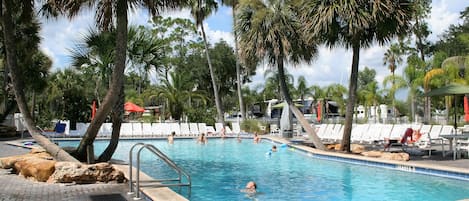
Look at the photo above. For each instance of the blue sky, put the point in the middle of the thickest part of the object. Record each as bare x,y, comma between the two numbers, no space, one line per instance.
331,66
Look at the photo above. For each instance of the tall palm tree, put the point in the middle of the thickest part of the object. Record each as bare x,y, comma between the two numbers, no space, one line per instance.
200,10
7,11
234,5
355,24
270,30
106,13
393,57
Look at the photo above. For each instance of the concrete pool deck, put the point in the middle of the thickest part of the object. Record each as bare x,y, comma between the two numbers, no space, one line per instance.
13,187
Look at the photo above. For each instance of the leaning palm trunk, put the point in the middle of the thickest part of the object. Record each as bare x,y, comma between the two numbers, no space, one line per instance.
117,77
18,87
299,116
221,118
345,144
116,114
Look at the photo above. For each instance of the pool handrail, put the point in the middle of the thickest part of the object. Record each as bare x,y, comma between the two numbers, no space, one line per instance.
163,157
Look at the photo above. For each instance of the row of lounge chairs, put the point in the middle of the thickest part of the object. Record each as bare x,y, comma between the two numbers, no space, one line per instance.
160,129
372,133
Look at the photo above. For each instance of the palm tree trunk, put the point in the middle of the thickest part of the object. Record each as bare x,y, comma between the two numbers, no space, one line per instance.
221,118
345,144
238,71
299,116
117,77
8,31
117,116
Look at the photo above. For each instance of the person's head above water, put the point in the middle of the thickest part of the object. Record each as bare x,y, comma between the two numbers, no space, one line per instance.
251,185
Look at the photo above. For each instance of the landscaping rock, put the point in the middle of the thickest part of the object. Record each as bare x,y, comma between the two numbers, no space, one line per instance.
387,155
69,172
396,156
36,168
9,162
375,154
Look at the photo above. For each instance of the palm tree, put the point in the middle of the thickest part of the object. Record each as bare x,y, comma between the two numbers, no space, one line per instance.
303,90
179,93
393,57
200,10
355,24
234,5
271,30
106,13
7,12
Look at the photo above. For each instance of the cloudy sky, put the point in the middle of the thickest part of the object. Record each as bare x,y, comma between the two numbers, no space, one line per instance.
331,66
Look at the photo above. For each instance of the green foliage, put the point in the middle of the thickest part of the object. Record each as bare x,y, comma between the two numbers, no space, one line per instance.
253,125
201,114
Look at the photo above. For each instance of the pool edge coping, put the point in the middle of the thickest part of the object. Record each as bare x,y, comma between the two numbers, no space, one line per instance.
407,166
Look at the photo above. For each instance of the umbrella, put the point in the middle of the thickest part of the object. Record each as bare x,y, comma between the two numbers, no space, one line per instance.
286,121
280,105
130,107
93,110
450,90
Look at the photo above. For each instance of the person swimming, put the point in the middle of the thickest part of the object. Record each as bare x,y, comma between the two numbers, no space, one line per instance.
251,187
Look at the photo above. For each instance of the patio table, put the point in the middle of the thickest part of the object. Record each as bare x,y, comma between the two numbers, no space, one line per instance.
453,140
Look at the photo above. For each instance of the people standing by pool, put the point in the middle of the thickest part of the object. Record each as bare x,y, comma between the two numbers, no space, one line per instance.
202,139
171,137
257,139
239,138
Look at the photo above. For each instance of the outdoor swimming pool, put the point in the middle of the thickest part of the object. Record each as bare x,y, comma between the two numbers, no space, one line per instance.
221,168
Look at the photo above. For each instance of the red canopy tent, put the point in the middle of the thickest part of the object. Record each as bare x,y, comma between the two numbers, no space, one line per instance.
130,107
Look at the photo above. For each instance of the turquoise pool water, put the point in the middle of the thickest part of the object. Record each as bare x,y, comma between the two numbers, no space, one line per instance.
220,169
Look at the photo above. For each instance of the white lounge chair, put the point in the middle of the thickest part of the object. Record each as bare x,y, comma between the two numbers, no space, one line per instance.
236,128
203,128
194,129
137,130
146,130
185,130
126,129
218,128
156,130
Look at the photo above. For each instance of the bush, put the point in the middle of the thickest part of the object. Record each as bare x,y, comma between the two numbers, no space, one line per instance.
252,125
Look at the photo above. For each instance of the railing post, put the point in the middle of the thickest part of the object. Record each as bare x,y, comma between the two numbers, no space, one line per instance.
131,168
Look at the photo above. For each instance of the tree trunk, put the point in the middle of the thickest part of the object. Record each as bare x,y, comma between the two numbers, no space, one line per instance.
218,104
8,31
117,116
238,71
299,116
117,77
352,93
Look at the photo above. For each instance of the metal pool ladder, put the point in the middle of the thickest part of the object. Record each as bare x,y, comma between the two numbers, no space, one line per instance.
156,182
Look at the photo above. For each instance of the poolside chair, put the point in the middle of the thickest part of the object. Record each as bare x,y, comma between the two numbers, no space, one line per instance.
146,130
185,130
174,127
105,130
274,130
202,128
321,131
462,146
137,130
194,129
358,132
156,130
228,131
219,128
210,130
126,129
236,128
337,133
373,134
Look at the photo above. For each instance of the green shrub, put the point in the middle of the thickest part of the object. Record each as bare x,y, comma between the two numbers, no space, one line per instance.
252,125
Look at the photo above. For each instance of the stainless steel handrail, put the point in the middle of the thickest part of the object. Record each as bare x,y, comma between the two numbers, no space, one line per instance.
163,157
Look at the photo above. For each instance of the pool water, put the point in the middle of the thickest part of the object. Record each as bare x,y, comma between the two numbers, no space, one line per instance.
221,168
